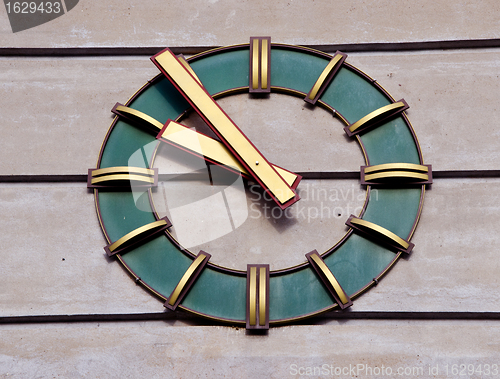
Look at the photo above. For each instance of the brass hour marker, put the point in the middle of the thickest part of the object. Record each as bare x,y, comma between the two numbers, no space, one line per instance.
137,117
260,65
396,174
122,177
257,297
329,279
325,77
376,118
138,236
380,234
187,280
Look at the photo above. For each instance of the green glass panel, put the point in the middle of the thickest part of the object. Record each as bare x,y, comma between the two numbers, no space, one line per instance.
353,96
123,142
121,213
357,262
394,209
218,294
296,294
295,69
391,143
354,264
223,71
159,264
161,101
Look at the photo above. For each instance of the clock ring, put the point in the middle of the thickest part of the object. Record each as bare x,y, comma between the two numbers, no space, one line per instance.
258,297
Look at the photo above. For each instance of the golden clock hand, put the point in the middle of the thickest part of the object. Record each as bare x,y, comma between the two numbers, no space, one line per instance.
194,142
232,137
212,150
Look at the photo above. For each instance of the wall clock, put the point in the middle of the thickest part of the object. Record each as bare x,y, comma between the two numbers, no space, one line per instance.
158,242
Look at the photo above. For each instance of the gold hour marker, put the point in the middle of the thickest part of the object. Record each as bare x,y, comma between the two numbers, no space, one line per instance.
137,236
122,177
257,297
396,174
187,280
329,279
380,234
137,117
325,77
377,117
260,65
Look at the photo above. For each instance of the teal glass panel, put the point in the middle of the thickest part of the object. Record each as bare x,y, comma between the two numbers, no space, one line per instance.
394,209
357,262
296,294
220,72
159,264
219,295
353,96
121,213
391,142
124,141
161,101
295,69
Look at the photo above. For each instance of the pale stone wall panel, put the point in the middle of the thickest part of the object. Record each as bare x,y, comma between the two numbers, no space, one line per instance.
422,349
453,267
52,105
224,22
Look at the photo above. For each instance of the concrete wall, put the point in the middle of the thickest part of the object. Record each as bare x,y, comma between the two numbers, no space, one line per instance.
66,310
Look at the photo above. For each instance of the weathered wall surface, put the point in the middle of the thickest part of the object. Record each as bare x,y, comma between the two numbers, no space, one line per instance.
54,114
223,22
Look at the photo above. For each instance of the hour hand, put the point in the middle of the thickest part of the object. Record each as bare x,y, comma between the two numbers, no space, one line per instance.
212,150
230,135
195,142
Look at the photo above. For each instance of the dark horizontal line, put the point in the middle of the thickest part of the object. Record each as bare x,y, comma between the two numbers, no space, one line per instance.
448,174
411,46
167,315
306,175
87,318
412,315
152,50
95,51
330,175
466,174
43,178
458,174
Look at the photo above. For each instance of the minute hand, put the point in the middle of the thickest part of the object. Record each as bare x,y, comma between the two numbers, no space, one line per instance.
234,139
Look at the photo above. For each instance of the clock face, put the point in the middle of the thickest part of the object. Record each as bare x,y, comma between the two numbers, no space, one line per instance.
194,216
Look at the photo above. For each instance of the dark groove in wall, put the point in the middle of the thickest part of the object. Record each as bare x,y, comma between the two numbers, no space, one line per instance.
461,174
43,178
151,50
169,316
